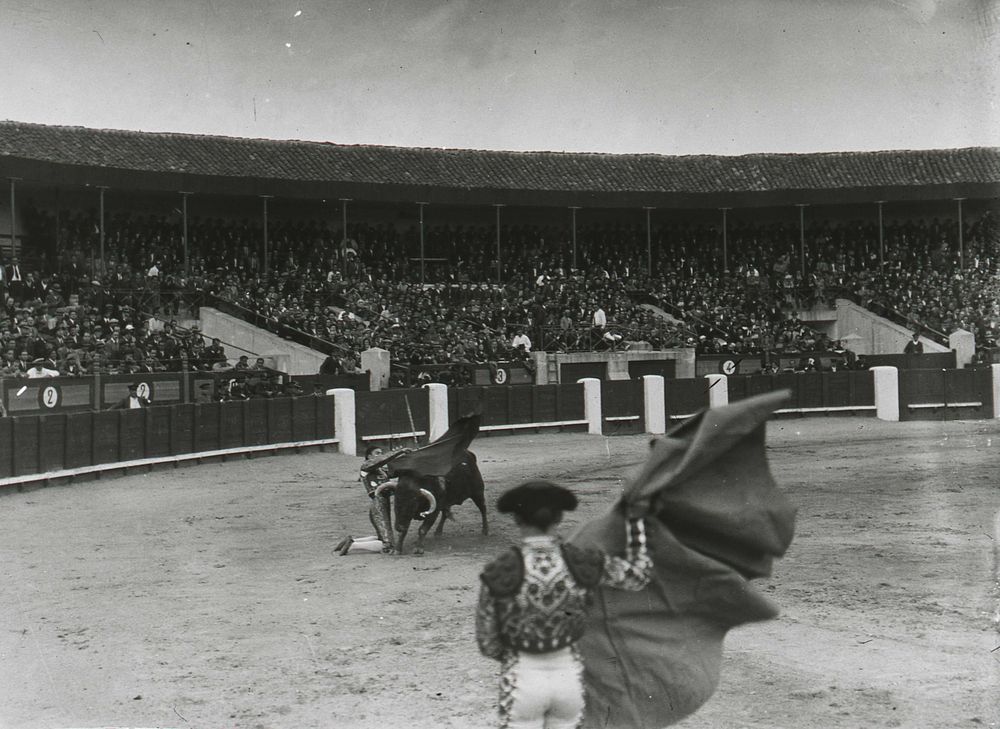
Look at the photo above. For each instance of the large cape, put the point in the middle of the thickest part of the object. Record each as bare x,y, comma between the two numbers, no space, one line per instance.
716,520
438,458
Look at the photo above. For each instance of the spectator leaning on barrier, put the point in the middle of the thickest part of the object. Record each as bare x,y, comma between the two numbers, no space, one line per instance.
38,369
132,401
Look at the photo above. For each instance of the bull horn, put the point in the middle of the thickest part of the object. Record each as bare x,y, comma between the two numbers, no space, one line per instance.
434,504
385,486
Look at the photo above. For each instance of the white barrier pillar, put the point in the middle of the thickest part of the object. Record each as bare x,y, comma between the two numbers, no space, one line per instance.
718,390
654,406
996,390
592,405
376,362
437,410
886,393
964,344
344,420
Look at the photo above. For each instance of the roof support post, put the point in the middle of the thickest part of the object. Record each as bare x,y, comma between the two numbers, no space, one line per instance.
961,239
573,210
104,268
58,225
265,198
421,206
499,267
802,235
649,242
184,231
13,215
881,236
343,223
725,239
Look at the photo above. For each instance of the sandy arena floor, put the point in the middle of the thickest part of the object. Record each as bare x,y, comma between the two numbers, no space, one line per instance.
209,597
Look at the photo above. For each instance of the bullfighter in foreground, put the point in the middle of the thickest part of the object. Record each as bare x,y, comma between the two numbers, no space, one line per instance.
701,519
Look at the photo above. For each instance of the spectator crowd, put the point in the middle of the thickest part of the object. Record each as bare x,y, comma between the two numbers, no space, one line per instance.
370,288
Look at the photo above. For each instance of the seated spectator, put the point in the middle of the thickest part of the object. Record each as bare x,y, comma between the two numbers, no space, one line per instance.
215,353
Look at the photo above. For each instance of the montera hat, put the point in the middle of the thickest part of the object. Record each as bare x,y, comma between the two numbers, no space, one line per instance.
531,496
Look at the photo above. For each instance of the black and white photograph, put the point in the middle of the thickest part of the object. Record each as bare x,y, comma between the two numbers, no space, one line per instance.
455,364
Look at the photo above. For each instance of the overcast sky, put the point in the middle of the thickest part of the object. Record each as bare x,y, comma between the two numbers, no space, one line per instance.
671,77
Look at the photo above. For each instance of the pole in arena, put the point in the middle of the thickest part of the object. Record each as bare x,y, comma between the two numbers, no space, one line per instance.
265,198
409,413
499,267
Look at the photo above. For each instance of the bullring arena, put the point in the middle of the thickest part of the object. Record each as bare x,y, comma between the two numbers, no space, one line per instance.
203,334
209,596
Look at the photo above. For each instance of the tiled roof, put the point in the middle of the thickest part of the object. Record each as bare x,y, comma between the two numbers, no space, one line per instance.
485,170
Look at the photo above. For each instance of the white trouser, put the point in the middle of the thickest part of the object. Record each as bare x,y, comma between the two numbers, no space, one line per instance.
544,691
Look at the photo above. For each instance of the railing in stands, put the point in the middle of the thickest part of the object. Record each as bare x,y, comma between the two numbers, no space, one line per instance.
164,302
274,326
678,313
611,338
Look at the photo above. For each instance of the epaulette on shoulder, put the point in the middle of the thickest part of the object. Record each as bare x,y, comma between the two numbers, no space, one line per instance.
503,576
586,565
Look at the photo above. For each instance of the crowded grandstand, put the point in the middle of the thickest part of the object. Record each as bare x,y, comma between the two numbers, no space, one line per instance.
105,270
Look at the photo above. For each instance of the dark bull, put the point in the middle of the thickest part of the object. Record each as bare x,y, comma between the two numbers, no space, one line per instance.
423,498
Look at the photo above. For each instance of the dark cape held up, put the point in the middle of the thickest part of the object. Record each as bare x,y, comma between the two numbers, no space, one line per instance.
438,458
716,520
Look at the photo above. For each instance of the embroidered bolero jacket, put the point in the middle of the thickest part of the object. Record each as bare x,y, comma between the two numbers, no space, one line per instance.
534,597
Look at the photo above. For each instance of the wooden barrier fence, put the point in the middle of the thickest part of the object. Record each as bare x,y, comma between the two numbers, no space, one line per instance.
945,394
69,443
76,443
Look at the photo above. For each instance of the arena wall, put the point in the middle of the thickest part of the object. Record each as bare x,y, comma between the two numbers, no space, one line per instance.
70,444
59,445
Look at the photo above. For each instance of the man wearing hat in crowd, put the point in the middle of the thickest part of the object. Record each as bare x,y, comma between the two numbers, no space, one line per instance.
132,401
914,346
533,604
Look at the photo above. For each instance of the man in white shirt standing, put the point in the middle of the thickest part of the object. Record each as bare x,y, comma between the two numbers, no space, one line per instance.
521,339
600,318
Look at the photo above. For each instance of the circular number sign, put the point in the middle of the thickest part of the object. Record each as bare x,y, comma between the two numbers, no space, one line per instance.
144,390
49,396
729,367
500,378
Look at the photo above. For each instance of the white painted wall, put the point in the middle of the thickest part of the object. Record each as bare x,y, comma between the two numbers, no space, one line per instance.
298,359
878,334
